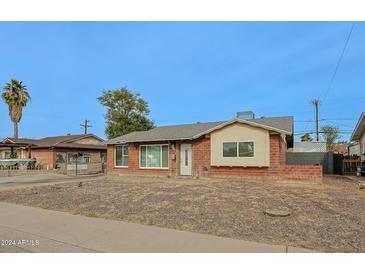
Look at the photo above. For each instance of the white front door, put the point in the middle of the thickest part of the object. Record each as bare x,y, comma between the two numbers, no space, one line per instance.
185,159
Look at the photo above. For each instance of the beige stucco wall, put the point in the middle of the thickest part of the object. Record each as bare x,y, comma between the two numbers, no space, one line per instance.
21,153
354,149
241,133
89,140
362,146
2,153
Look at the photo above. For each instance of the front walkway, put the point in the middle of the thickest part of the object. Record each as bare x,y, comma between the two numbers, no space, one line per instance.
52,231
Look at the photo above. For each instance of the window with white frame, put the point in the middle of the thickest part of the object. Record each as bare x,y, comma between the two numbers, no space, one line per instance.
87,158
154,156
121,155
238,149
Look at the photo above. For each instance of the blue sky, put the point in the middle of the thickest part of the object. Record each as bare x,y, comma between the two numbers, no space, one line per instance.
188,72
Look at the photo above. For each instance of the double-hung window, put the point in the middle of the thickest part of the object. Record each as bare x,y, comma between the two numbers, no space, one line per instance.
121,155
238,149
154,156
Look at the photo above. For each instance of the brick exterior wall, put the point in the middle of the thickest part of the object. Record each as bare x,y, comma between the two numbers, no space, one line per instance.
133,162
201,163
277,170
47,157
44,157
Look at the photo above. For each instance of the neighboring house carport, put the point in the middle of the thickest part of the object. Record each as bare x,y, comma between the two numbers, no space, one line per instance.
23,160
79,153
15,146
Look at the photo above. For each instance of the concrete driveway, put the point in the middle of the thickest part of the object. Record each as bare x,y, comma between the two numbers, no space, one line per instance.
43,179
27,229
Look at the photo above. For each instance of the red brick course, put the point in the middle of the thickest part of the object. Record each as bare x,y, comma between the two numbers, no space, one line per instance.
44,157
133,162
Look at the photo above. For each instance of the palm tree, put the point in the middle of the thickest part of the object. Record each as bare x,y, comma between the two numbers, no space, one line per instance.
16,96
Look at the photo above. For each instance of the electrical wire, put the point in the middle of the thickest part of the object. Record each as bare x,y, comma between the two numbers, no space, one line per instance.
338,63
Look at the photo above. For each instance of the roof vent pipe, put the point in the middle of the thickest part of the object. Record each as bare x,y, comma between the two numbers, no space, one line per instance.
245,115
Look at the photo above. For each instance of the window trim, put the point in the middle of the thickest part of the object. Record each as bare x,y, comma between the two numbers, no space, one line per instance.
105,156
237,150
80,159
88,156
115,155
151,145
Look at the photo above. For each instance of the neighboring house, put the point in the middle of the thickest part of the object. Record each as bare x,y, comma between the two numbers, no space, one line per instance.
354,149
310,147
56,151
341,149
358,135
239,147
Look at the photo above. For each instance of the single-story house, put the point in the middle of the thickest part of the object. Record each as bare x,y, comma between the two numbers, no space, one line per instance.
56,151
358,136
341,149
239,147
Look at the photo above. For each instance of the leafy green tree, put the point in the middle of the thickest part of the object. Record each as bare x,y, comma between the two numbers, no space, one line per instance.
127,112
16,96
330,134
306,138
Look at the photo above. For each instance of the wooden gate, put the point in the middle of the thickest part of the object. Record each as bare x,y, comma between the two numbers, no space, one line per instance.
338,164
350,166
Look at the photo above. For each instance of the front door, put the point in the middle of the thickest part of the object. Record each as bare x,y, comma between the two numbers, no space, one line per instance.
185,159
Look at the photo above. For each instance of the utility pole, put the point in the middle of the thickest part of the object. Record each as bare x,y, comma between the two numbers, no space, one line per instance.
315,102
85,125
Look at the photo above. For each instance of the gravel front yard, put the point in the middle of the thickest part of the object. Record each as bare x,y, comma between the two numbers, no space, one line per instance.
327,216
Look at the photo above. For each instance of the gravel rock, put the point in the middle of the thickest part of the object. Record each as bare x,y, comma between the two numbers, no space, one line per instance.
329,215
273,212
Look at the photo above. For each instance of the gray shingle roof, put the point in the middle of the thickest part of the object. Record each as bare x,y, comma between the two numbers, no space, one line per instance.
191,131
56,141
283,123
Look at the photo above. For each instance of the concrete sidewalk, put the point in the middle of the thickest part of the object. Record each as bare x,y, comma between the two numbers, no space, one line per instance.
44,179
64,232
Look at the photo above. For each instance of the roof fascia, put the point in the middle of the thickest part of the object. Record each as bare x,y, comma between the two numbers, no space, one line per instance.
236,120
357,126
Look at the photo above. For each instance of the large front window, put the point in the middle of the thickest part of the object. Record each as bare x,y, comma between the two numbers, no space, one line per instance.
73,157
121,156
154,156
238,149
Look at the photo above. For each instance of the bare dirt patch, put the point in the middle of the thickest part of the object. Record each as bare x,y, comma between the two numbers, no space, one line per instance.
325,216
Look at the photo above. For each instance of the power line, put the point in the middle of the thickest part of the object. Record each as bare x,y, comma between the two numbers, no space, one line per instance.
340,119
347,99
338,62
313,131
326,119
